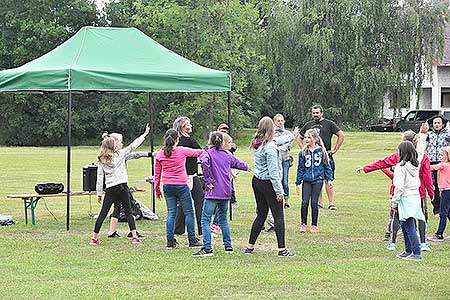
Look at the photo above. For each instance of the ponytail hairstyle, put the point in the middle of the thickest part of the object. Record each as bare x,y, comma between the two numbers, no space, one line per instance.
264,134
314,133
170,139
408,153
107,149
216,139
179,124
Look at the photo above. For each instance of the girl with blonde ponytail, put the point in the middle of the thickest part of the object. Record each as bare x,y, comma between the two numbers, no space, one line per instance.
111,166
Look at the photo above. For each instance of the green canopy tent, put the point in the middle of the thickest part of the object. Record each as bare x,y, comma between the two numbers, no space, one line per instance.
107,59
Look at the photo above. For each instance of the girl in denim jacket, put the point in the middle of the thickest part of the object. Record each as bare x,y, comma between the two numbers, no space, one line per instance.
313,169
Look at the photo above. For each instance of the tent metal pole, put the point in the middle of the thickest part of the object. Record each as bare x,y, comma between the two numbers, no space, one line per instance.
69,142
152,125
229,130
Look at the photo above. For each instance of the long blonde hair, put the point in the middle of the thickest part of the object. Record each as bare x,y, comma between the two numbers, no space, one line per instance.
179,124
314,133
107,149
264,134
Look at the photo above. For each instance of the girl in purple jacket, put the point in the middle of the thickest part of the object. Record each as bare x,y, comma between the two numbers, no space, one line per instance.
216,165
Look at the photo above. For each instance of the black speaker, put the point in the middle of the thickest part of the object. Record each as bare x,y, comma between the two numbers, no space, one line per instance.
89,177
49,188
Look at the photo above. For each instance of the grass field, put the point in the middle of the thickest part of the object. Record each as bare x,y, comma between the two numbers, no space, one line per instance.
346,260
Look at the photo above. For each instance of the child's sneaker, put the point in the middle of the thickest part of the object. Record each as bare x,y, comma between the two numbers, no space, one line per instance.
130,235
412,257
94,242
403,254
135,240
204,252
172,244
387,236
303,228
215,228
249,251
314,229
195,243
391,247
285,253
114,235
228,249
332,207
425,247
435,238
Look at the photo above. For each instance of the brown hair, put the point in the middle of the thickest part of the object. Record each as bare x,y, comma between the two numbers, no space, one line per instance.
407,153
264,134
216,139
170,139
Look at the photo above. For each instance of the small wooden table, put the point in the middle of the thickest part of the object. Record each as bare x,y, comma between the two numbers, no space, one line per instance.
30,201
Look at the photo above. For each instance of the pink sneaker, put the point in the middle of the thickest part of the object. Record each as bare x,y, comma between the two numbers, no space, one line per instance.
215,229
135,240
94,242
303,228
314,229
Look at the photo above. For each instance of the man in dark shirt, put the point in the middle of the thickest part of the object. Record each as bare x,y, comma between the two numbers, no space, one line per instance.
327,129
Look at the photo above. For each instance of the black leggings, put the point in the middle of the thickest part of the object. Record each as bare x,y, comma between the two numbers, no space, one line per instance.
437,194
198,196
310,191
265,198
118,194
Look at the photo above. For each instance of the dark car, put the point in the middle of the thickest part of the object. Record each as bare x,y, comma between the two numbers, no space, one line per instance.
385,125
414,118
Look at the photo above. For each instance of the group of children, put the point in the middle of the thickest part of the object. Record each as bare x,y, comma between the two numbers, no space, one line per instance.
216,162
411,180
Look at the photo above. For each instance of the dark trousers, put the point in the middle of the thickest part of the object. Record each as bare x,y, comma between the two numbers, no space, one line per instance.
310,193
118,194
444,212
393,224
410,235
198,196
266,199
437,195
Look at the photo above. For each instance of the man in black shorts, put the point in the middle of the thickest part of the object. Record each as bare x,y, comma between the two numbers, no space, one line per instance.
327,129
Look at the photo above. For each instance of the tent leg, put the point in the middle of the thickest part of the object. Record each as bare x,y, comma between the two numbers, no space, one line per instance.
229,130
69,142
152,125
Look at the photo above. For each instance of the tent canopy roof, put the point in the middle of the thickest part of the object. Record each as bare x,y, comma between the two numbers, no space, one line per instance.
112,60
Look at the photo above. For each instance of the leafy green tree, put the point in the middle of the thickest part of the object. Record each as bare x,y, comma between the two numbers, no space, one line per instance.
347,54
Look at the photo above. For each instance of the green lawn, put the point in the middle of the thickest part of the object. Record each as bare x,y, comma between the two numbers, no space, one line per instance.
346,260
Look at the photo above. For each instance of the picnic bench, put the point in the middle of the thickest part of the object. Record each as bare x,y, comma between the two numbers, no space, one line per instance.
30,201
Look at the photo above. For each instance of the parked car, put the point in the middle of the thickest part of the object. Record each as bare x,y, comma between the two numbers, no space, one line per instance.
414,118
385,125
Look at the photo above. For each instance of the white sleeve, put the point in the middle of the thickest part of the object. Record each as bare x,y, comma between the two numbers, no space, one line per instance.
100,175
399,183
420,148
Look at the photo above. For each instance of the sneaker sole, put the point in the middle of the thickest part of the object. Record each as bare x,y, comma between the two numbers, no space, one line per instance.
204,255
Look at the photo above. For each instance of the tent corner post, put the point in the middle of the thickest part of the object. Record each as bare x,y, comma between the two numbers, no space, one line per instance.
69,144
152,125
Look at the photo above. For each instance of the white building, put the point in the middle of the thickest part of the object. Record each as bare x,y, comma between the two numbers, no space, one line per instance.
435,94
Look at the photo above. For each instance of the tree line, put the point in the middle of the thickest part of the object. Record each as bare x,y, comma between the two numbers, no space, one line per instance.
284,55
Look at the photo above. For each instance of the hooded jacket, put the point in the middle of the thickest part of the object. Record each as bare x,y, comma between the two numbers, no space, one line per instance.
312,167
216,167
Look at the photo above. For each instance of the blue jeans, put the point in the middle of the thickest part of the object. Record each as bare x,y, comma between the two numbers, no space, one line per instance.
412,244
209,207
444,211
285,180
174,193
